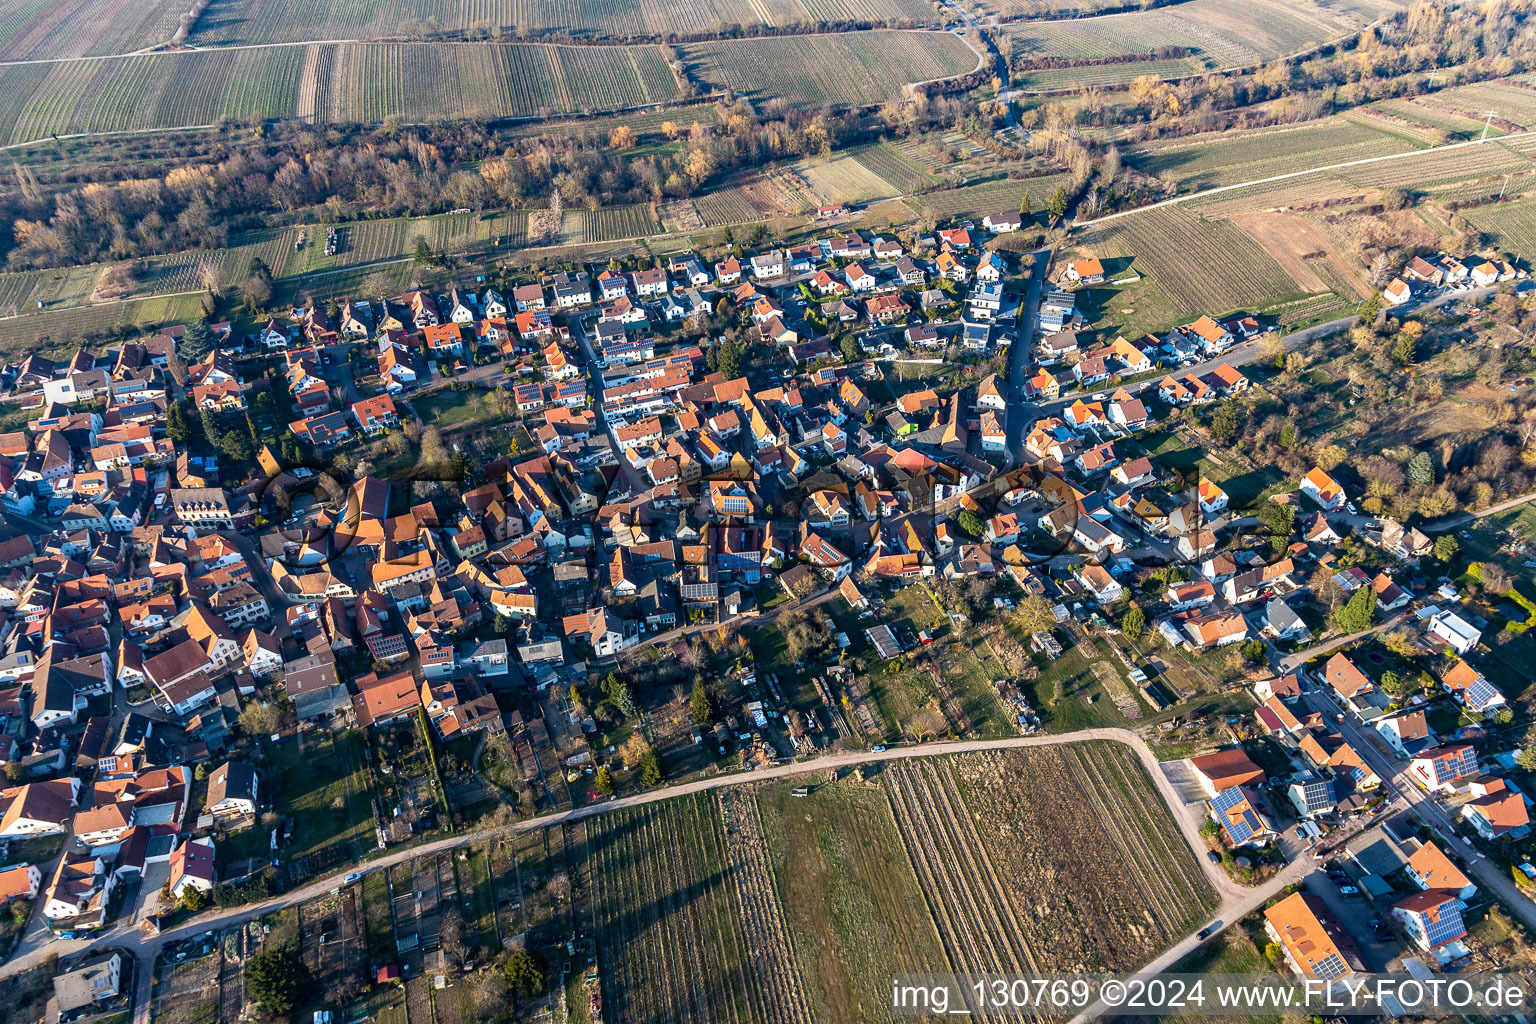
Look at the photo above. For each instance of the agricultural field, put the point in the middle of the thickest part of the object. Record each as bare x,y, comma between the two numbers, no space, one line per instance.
643,123
1513,224
845,179
183,272
269,21
892,166
1511,100
1001,195
1439,167
854,68
368,241
36,30
619,222
64,287
344,83
1201,266
725,206
1232,34
1045,813
849,895
58,333
670,903
1229,157
1420,111
799,908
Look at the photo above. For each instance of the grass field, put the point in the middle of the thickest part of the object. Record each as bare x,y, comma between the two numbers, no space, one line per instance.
846,179
268,21
325,790
457,410
346,83
836,70
849,896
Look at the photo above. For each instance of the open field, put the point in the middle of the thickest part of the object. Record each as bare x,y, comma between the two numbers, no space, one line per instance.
1201,266
1513,224
837,70
641,122
1290,28
1218,33
267,21
1000,196
799,908
36,30
346,83
1228,157
59,333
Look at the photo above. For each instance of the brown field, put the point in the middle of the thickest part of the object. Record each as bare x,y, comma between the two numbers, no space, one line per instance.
1294,243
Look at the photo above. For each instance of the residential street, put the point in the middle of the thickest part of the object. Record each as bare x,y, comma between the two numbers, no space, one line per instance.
1397,782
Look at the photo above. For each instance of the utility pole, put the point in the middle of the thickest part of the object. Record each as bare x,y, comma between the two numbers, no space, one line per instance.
1486,122
1504,186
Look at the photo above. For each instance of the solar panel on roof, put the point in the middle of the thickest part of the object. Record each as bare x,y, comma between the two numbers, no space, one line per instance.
1481,694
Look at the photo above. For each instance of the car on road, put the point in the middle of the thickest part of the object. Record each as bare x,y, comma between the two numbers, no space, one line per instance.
1205,933
356,876
1215,858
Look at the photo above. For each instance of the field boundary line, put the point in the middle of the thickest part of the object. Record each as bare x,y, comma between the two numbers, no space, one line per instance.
1287,176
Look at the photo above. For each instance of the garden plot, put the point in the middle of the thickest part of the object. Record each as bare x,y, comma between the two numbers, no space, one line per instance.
188,992
238,944
332,940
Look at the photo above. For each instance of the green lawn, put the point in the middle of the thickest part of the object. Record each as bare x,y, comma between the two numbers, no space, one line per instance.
1069,697
324,789
457,410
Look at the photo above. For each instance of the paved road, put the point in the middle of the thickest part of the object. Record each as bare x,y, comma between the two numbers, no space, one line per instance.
1397,781
1291,662
145,948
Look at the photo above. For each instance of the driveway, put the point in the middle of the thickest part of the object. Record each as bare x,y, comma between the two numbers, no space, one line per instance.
1355,913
